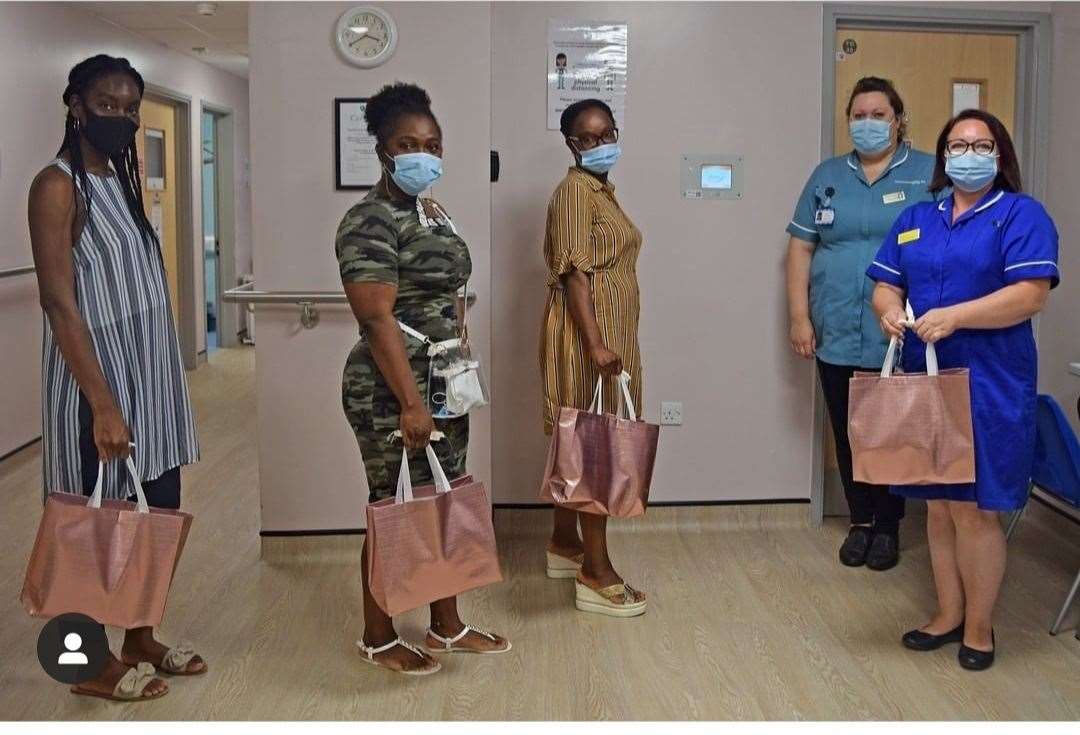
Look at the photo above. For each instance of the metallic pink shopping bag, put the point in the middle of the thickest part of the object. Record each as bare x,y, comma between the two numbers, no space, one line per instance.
600,463
911,429
112,560
431,542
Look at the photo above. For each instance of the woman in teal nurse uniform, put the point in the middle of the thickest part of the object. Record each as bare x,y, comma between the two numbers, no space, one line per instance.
846,209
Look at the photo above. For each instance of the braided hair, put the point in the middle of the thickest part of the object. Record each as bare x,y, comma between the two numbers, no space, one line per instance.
125,163
393,102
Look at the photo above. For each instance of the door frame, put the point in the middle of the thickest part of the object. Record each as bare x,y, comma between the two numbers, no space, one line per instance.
185,277
225,210
1032,126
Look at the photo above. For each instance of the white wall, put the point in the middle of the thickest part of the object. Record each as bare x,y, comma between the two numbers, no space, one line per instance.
40,42
1059,328
740,78
310,472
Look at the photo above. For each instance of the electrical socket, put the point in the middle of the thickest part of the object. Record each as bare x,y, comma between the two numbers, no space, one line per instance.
671,413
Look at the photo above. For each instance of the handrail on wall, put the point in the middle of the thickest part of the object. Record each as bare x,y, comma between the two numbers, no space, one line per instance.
22,271
306,300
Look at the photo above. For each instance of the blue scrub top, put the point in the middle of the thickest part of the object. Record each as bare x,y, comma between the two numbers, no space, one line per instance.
862,213
1005,238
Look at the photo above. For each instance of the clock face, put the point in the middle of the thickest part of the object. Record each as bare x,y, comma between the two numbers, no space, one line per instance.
366,36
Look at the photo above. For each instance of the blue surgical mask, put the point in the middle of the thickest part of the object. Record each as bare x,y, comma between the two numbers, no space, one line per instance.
970,172
600,159
870,136
414,173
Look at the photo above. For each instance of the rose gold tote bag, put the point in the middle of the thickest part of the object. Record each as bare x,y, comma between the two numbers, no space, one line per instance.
431,542
912,428
112,560
600,463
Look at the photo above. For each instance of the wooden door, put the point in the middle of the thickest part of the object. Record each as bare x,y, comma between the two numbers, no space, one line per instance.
924,66
159,184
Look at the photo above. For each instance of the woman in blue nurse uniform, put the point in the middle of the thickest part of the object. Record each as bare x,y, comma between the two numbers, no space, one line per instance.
976,268
846,208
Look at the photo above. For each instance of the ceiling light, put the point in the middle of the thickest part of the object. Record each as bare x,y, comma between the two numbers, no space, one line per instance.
206,8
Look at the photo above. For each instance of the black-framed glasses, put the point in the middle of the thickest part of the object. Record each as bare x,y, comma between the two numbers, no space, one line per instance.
983,147
586,141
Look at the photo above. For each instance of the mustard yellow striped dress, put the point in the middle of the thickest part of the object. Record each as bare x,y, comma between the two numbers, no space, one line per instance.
587,230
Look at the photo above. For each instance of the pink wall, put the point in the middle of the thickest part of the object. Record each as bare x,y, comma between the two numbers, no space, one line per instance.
1059,328
41,42
704,77
738,78
310,470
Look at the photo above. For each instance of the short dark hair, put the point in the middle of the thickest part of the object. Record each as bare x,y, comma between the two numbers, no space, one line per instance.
1008,176
570,114
393,102
877,84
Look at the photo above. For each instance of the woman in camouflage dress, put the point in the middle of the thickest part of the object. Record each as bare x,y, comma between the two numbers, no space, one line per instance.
402,260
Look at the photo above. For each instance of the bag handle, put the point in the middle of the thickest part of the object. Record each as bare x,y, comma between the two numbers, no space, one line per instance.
894,344
141,505
425,220
404,492
625,401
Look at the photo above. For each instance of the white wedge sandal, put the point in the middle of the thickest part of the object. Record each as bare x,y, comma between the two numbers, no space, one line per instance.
371,653
562,567
604,601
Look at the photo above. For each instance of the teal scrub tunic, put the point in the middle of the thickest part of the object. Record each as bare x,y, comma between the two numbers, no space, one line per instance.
847,218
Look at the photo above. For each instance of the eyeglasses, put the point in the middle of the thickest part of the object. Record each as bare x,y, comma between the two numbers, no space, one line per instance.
588,140
982,147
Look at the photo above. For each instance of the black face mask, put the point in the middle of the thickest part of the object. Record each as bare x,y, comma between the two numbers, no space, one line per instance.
110,135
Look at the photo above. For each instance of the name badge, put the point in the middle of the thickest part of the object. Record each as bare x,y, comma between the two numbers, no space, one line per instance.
824,216
893,198
907,236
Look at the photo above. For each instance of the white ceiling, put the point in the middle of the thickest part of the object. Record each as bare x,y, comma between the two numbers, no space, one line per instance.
179,26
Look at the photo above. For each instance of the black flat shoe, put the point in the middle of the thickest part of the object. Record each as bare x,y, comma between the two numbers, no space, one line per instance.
884,552
853,551
975,660
918,640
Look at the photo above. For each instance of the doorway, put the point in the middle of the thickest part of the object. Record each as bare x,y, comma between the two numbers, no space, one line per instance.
942,61
156,144
165,167
218,228
211,252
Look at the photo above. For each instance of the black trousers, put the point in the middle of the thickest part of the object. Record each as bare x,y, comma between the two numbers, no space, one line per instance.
867,503
163,492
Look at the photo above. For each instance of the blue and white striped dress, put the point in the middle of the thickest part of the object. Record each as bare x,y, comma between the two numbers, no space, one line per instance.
124,298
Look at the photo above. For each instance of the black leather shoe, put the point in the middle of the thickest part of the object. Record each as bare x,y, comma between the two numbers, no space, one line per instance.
857,543
918,640
974,660
884,552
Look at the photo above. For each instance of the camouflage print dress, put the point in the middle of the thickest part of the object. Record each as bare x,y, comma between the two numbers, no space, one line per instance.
383,241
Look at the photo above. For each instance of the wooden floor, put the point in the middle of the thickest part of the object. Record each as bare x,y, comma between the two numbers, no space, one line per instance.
751,616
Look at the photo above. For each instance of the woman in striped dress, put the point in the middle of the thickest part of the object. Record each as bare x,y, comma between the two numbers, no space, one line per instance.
112,379
590,330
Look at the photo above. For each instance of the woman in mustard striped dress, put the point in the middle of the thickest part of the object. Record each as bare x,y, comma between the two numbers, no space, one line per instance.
590,329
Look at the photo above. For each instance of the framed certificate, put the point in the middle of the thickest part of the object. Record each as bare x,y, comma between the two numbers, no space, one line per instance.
356,165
